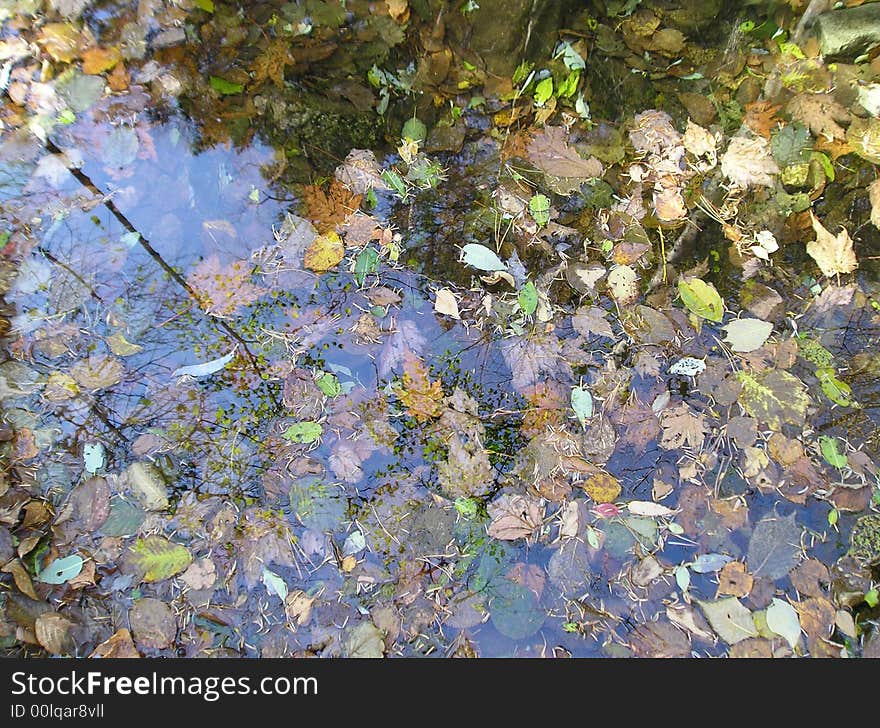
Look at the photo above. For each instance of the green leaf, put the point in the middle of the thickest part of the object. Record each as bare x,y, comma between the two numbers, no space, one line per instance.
124,520
274,584
466,507
539,207
582,403
774,397
872,598
366,263
479,256
93,457
303,432
61,570
329,384
224,87
528,298
206,5
569,86
782,618
395,182
791,145
701,298
158,558
833,456
833,517
836,390
543,91
414,130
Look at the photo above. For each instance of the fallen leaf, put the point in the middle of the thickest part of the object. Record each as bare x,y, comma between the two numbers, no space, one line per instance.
445,303
422,398
731,621
147,485
735,580
200,574
97,372
347,456
774,397
623,282
364,640
360,172
514,517
53,633
833,253
481,257
588,320
602,487
749,163
809,576
774,547
761,118
659,640
817,620
329,209
120,645
701,298
155,558
821,113
222,290
206,368
747,334
325,252
97,60
550,152
152,623
783,619
682,427
874,199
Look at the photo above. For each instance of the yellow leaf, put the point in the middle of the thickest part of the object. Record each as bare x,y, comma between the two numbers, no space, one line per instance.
421,397
97,60
61,41
602,488
325,252
833,253
446,304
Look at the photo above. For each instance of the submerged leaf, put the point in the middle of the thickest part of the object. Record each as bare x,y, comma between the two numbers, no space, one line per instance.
775,547
205,369
730,619
747,334
701,298
157,558
783,619
774,397
833,253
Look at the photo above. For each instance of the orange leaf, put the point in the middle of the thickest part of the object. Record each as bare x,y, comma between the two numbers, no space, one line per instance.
329,209
422,397
97,60
602,487
761,117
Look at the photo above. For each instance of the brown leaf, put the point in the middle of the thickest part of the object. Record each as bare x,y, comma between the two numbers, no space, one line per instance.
329,209
270,63
682,427
550,152
808,577
347,456
91,503
466,470
200,574
514,516
589,320
874,199
640,425
152,623
659,640
97,372
222,290
669,203
53,633
761,118
833,253
21,577
360,172
119,645
819,112
528,576
817,620
735,580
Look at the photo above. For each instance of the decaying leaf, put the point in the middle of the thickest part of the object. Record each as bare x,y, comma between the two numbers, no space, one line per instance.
602,487
659,640
325,252
514,516
833,254
446,303
773,397
623,282
731,621
747,334
120,645
749,163
360,172
735,580
155,558
152,623
874,199
774,547
821,113
53,632
97,372
222,290
682,427
550,152
701,298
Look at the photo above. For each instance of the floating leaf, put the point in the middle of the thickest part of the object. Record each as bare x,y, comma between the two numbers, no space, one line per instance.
366,263
61,570
274,584
481,257
528,298
709,563
445,303
93,457
147,485
835,389
326,252
158,558
124,520
329,384
582,403
833,456
120,346
152,623
701,298
304,432
649,509
206,369
224,87
602,487
513,517
775,547
747,334
783,619
688,366
730,619
774,397
623,282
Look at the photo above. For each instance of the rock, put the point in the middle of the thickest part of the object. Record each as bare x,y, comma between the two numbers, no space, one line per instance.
849,31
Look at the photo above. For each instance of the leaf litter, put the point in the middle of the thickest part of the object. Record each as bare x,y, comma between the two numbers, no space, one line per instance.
361,400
